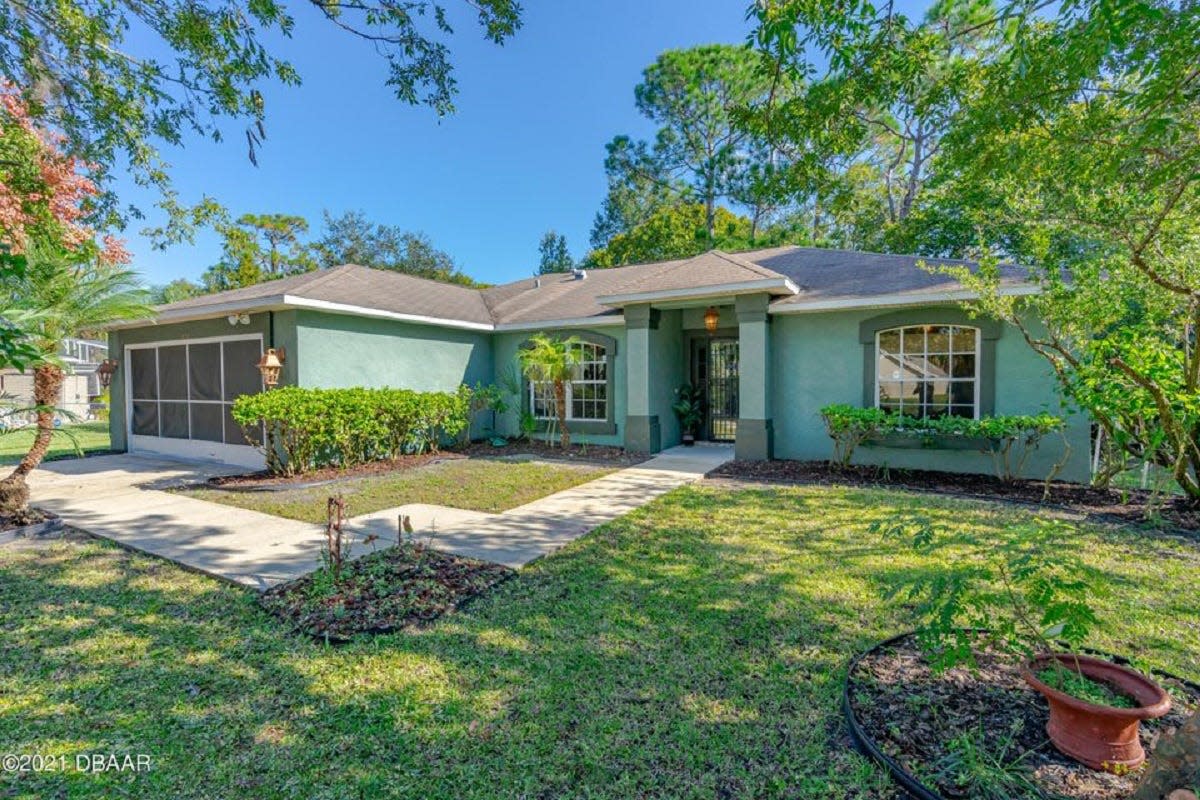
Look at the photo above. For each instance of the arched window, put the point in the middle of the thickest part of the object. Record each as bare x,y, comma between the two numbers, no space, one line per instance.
587,391
928,370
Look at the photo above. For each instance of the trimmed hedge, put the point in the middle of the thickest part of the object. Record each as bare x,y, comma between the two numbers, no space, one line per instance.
1002,437
304,429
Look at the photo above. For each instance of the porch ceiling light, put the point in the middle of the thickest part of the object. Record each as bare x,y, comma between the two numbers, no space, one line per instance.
712,318
270,366
105,371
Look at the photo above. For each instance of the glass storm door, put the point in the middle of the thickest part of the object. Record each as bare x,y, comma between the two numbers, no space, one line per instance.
715,374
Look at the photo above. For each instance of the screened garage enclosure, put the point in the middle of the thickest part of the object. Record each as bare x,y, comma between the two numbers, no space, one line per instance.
180,395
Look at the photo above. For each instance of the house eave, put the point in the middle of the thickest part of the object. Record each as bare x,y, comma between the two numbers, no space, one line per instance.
284,302
572,322
776,286
292,301
257,305
893,300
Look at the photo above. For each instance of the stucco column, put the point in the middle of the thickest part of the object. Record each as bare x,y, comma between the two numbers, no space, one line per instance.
642,432
755,435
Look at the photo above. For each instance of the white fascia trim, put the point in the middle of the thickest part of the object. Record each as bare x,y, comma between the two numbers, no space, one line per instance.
291,301
889,300
696,292
285,301
574,322
204,312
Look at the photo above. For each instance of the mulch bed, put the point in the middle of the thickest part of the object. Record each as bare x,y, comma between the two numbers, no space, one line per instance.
32,521
592,453
1128,506
382,592
913,715
267,480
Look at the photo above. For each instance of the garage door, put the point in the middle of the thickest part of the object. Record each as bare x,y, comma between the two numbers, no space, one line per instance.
180,395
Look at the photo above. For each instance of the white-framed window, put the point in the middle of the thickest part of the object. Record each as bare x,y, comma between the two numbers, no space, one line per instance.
587,391
928,370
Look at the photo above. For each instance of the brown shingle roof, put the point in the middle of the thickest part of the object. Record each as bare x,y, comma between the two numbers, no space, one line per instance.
823,276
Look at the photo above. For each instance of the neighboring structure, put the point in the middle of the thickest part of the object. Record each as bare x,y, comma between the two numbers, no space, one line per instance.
770,335
81,389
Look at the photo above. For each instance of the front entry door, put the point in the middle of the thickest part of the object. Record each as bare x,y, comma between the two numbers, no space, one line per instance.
715,374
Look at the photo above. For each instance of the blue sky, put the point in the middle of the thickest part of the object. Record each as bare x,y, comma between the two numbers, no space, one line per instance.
523,154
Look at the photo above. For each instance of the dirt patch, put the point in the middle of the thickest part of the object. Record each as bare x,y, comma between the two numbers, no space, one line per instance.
382,592
985,723
266,480
582,453
1128,506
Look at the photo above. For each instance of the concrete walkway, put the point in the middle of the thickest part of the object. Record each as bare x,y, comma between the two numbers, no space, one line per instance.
121,497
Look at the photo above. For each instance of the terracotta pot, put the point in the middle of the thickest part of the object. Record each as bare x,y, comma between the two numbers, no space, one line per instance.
1100,737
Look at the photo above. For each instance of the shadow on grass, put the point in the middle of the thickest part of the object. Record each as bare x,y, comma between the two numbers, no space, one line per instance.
694,648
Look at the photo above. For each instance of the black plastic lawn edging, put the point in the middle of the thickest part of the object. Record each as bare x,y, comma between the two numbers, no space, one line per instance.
913,787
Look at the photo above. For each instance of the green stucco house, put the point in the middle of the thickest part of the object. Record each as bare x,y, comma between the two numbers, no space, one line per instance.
771,336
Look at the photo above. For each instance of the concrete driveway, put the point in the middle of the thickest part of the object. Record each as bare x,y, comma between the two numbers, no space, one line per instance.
122,498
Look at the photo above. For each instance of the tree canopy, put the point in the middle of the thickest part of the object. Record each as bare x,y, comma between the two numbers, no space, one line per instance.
1065,139
351,238
699,154
553,255
122,79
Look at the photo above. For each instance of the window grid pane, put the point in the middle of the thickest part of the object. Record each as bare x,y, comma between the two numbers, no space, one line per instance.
927,370
586,393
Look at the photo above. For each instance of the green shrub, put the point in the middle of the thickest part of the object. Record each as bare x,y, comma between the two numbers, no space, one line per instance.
303,429
1008,439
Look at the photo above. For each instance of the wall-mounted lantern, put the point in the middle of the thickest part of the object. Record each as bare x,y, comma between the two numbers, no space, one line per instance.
712,319
105,372
271,364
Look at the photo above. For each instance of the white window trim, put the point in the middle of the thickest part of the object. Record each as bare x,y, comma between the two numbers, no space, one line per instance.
978,357
570,395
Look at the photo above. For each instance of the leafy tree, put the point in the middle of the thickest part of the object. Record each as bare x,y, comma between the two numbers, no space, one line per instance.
869,130
176,290
116,105
638,186
553,253
257,248
678,231
553,360
1085,164
353,239
698,151
43,197
68,295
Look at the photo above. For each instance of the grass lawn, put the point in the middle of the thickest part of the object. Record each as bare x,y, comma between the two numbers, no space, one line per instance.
692,649
472,484
90,437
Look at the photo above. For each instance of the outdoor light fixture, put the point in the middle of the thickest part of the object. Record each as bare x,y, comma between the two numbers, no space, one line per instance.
105,371
270,365
712,318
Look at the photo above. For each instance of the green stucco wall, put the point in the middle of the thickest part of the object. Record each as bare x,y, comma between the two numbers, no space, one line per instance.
818,360
284,325
504,354
669,369
338,350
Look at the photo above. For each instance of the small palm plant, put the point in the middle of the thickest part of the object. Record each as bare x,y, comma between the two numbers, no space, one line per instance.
61,297
546,359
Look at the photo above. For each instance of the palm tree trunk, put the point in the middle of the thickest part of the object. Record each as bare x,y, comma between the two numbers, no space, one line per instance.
560,401
14,490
